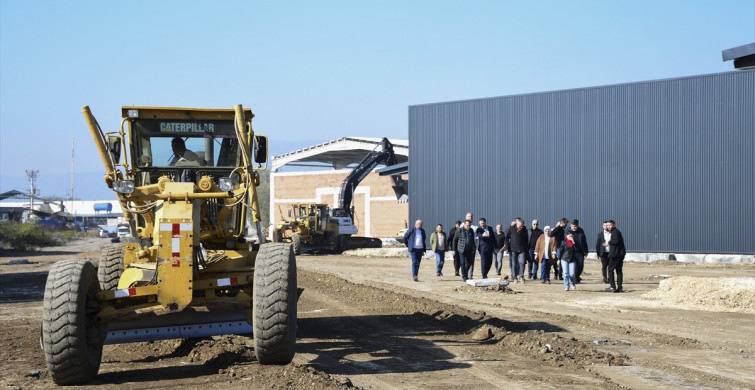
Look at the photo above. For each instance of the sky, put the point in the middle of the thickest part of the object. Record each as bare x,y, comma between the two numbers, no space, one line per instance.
314,71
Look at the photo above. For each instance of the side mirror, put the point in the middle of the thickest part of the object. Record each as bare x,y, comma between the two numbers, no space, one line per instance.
260,149
114,148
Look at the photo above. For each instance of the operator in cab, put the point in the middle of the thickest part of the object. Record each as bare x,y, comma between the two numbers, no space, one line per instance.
180,153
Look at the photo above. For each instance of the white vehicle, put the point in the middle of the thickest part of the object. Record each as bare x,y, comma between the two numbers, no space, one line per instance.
123,231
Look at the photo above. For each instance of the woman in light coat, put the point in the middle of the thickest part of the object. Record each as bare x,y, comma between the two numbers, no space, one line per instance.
545,253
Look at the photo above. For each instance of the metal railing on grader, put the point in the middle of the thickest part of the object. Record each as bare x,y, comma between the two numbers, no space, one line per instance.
197,265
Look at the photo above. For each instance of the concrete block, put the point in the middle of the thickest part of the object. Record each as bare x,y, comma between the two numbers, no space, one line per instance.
487,282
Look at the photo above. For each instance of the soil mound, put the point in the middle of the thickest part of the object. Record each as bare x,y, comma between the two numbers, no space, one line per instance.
710,294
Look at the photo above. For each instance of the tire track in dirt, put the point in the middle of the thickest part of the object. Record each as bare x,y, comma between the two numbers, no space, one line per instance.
656,357
666,351
385,339
651,359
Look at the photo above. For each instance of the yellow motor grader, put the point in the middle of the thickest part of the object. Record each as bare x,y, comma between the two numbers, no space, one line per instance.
197,264
311,227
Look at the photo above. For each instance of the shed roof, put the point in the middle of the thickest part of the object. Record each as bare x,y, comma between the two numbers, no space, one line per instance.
12,194
339,153
743,56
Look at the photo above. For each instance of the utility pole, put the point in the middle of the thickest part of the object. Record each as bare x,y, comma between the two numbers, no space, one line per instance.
73,140
32,190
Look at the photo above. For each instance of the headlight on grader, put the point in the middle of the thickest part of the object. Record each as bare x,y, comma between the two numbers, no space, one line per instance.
227,184
123,186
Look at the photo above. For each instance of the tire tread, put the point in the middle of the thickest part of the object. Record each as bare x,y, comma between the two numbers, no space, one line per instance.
64,324
274,304
110,268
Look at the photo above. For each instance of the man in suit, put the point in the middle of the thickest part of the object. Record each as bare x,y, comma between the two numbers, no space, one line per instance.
616,253
486,244
602,251
414,239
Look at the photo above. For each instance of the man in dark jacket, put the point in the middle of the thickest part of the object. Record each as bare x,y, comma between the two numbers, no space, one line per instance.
582,248
558,233
450,245
464,245
414,239
513,264
616,253
486,245
535,233
518,246
601,249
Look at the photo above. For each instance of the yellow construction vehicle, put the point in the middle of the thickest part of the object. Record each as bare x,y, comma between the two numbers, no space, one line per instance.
312,226
196,265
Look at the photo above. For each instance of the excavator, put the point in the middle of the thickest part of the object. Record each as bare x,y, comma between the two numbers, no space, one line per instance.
316,226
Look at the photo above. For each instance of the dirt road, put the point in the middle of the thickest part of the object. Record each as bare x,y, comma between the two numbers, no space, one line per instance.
363,322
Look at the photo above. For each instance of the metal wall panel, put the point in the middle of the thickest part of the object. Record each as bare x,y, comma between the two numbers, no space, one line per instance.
671,161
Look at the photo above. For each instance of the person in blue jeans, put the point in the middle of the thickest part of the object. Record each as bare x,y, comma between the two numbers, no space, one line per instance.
518,246
500,248
438,243
532,262
582,249
414,239
568,253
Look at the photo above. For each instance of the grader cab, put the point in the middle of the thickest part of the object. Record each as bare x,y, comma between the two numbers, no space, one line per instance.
196,265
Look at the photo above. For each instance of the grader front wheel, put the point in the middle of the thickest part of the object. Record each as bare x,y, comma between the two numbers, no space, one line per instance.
274,304
72,337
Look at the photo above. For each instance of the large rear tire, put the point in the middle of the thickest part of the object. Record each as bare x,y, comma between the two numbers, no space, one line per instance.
296,243
274,304
110,268
72,336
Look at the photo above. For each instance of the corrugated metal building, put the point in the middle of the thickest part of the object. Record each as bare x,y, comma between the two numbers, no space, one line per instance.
671,161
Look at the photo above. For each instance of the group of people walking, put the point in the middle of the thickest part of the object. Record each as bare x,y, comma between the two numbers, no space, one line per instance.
562,248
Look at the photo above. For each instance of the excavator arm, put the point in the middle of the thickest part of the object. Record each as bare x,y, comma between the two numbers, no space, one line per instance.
368,163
